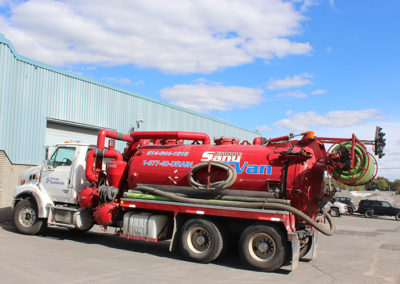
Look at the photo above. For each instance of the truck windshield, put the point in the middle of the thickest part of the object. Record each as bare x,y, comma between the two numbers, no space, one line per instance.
63,156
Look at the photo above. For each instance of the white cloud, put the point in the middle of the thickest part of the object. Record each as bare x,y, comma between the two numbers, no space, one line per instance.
290,82
318,92
173,36
263,128
339,118
204,98
295,94
308,3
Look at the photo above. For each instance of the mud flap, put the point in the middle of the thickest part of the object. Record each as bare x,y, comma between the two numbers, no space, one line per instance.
173,242
295,246
313,252
175,233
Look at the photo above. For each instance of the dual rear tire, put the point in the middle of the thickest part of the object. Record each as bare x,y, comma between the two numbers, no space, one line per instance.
201,240
261,247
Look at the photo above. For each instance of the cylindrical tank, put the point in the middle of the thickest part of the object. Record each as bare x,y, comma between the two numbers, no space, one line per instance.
170,165
290,168
257,166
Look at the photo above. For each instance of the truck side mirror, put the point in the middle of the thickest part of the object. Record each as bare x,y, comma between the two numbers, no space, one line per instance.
46,153
48,165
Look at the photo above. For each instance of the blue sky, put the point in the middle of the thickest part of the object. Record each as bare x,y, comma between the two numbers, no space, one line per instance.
275,66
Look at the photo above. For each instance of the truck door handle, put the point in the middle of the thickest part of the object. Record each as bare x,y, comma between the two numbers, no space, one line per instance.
65,190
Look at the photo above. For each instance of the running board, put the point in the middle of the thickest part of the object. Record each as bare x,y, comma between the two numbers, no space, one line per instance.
55,224
61,216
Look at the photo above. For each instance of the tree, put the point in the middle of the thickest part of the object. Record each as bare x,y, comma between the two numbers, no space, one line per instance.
395,185
379,183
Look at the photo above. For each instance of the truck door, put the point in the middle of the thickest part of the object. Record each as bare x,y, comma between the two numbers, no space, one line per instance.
56,179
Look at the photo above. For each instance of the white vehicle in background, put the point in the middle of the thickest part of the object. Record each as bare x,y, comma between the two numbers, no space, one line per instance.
338,208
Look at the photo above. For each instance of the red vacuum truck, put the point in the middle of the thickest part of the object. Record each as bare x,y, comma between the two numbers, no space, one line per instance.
269,196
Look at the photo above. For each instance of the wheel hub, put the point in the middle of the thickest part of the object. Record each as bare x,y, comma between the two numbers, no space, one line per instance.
27,217
262,247
201,240
198,240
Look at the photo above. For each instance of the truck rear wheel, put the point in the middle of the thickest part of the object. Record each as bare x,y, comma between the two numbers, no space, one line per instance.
263,247
397,216
201,240
26,218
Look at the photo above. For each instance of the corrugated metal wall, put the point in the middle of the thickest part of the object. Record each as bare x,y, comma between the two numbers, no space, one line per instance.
32,92
9,174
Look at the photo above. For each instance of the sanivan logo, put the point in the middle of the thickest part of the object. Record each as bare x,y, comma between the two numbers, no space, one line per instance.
233,158
221,156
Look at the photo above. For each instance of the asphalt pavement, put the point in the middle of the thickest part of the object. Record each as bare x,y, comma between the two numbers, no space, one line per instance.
362,251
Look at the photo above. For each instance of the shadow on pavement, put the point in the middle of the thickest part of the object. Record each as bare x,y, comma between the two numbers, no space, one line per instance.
107,238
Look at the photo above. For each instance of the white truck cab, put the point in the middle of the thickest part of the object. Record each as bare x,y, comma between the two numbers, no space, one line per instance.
47,193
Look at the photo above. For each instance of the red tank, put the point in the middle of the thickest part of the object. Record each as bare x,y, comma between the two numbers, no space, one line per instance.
290,169
258,167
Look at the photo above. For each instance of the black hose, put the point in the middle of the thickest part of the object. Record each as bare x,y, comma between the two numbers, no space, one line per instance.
108,194
215,186
211,195
270,204
252,199
191,192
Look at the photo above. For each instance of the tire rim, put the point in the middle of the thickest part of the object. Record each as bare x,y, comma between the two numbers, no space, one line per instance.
27,217
198,240
262,247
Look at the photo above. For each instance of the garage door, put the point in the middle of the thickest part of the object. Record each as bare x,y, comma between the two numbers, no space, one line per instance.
59,133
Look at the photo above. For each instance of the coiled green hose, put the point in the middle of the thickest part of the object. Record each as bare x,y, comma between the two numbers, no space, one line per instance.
364,166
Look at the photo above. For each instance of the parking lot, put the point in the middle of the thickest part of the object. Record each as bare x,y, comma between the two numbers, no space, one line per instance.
362,251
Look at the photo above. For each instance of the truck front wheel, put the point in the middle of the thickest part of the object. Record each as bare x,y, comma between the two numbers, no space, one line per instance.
201,240
263,247
26,218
